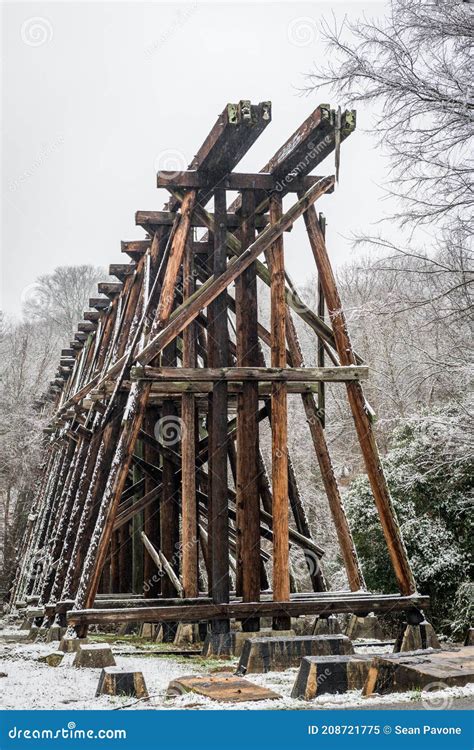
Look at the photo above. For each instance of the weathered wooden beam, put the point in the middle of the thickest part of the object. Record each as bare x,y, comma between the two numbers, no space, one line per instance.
218,353
360,412
190,539
92,315
281,575
121,270
176,389
322,605
166,218
247,443
110,288
253,374
99,303
135,248
235,131
233,181
86,326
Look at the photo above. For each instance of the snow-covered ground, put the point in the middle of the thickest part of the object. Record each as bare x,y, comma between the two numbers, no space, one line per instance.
30,684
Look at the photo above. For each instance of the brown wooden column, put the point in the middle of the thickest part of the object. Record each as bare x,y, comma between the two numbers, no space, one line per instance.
218,344
170,436
114,563
281,577
321,310
190,547
247,486
151,514
359,409
138,557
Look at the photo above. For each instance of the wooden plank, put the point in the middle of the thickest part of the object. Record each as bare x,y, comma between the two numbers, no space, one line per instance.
359,409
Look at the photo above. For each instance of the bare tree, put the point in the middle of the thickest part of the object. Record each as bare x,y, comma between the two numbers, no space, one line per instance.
61,297
415,66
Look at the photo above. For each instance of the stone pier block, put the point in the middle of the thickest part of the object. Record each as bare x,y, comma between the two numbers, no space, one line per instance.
71,645
94,655
365,628
416,637
117,681
331,674
53,659
426,669
280,653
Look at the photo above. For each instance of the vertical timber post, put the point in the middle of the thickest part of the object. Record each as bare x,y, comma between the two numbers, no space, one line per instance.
218,342
247,488
188,447
281,576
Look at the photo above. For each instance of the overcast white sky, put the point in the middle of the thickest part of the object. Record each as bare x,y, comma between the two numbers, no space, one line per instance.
96,94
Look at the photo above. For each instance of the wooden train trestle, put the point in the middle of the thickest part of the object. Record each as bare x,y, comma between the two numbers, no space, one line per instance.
159,399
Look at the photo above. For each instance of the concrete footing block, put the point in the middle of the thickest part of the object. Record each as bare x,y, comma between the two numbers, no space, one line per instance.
218,645
55,633
416,637
425,669
238,639
116,681
71,645
365,628
52,660
330,674
277,654
95,656
326,626
187,633
19,636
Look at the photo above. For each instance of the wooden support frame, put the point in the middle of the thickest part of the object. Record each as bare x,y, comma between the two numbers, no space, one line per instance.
146,351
